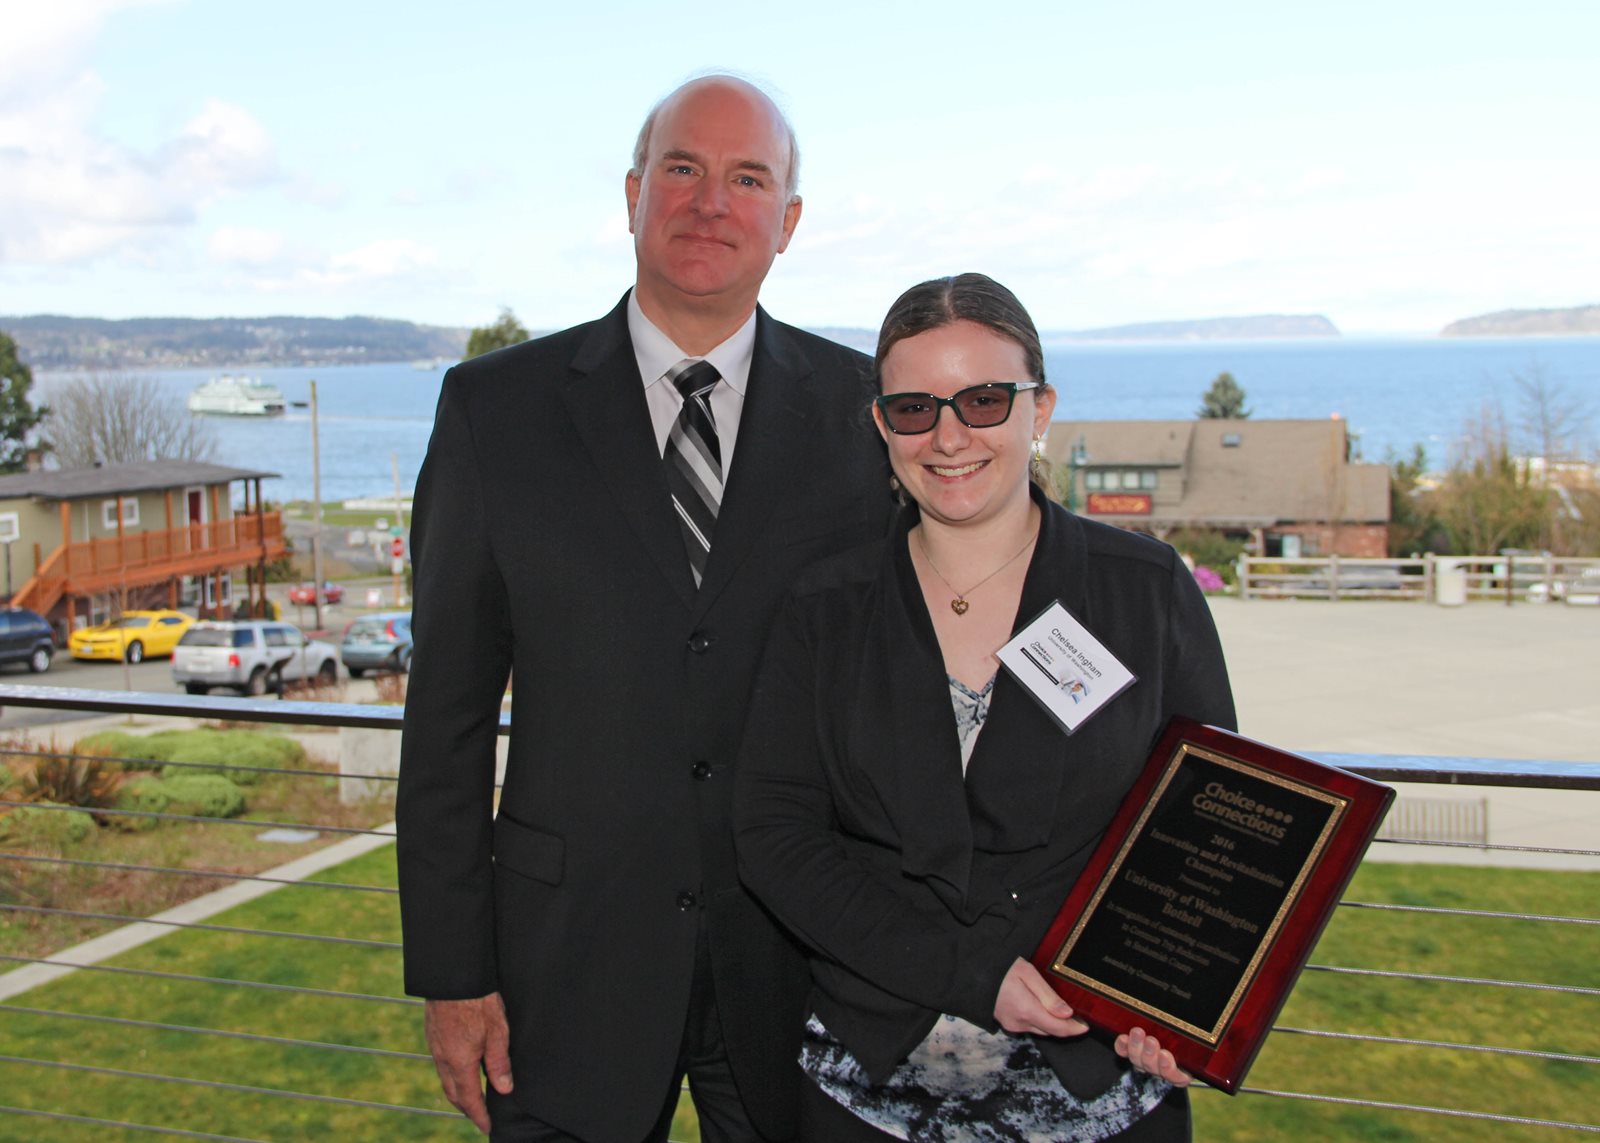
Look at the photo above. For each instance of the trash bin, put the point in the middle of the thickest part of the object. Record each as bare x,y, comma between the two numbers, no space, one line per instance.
1449,583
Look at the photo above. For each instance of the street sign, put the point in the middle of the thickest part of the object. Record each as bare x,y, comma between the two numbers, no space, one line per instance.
397,548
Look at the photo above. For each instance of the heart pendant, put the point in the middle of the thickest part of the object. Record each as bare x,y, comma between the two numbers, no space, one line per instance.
959,606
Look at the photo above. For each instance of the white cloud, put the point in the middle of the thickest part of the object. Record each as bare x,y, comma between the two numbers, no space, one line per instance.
246,246
68,193
267,262
44,41
385,258
223,148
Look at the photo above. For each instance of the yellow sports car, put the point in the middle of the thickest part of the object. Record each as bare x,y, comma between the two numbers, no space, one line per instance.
136,636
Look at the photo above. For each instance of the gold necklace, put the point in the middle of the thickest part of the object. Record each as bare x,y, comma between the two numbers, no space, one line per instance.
959,604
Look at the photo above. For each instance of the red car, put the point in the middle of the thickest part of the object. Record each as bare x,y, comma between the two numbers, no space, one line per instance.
307,593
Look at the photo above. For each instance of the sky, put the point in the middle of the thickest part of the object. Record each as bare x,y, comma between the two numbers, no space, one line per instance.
1394,166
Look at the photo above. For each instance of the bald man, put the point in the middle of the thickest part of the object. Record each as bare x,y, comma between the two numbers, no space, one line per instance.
608,516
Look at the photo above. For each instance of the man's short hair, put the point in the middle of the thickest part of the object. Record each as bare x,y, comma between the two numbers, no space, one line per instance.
641,147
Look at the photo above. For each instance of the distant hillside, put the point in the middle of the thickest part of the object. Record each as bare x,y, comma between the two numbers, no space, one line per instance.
50,342
1257,325
1575,319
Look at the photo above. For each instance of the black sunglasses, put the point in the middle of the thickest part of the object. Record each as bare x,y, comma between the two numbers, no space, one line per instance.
978,407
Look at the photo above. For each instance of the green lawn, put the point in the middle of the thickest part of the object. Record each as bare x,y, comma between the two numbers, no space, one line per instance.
1463,947
1503,1017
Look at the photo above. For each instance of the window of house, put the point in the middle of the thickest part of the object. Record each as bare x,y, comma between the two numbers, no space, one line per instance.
1091,481
1113,481
1231,440
1147,480
130,513
10,527
211,592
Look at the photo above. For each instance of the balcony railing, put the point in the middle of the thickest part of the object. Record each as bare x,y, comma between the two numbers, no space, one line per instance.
136,558
264,999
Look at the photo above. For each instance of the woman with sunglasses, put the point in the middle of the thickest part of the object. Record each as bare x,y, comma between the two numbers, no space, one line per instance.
910,812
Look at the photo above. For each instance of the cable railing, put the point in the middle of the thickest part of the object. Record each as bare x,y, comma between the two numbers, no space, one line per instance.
259,999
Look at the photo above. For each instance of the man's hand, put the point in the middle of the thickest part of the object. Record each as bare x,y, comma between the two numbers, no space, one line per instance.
469,1039
1027,1003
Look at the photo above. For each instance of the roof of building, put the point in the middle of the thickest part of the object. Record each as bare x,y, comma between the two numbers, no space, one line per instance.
1244,472
114,479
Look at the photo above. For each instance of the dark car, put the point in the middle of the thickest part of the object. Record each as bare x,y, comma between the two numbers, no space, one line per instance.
380,642
25,637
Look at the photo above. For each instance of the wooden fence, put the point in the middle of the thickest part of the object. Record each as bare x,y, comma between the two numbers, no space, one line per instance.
1515,578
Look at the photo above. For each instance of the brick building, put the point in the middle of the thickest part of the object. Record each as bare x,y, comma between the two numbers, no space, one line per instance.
1287,488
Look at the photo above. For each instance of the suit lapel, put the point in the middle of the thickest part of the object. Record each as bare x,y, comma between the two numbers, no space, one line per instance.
773,428
607,406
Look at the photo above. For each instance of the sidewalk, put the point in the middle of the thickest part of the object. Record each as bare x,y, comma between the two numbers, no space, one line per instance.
1484,681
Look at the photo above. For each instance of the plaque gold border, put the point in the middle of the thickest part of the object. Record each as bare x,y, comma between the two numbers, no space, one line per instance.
1213,1035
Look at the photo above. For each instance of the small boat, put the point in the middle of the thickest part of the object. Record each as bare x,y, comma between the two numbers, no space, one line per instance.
231,396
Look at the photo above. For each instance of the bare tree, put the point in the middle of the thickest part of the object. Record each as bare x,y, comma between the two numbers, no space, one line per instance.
1487,500
1553,422
121,419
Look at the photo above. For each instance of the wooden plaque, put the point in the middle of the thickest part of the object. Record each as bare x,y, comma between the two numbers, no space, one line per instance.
1199,907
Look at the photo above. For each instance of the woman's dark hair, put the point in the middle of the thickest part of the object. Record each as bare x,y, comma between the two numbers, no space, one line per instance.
939,302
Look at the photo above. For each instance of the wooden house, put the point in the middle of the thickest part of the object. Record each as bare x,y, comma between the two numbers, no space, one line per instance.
1287,488
163,533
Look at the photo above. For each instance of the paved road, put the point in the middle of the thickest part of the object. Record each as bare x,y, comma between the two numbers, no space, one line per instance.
154,676
1483,681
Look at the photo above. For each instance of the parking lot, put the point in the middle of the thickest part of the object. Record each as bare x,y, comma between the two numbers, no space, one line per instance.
154,676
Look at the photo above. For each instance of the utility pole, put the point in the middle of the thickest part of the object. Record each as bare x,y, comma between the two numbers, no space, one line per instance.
316,512
400,529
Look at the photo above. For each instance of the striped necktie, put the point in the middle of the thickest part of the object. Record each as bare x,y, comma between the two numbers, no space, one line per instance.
694,461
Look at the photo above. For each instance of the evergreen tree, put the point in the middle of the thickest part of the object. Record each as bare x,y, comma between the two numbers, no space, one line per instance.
506,330
1223,401
18,417
1413,526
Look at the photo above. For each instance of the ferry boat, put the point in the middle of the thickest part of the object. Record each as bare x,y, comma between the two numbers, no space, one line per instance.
232,396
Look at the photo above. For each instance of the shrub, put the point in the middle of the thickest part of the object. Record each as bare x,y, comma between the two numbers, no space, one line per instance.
391,687
41,827
71,782
146,794
204,795
222,754
197,793
220,749
1212,549
147,752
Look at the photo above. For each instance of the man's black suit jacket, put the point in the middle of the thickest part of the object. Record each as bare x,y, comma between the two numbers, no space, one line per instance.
545,547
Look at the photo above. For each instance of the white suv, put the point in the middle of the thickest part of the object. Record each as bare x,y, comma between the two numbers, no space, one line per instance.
252,656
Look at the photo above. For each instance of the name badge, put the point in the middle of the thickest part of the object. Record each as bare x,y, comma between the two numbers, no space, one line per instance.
1065,668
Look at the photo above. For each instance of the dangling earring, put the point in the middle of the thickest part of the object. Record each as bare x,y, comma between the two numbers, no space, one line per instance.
1038,467
896,490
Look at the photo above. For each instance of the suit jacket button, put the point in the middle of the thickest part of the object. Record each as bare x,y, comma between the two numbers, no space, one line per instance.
686,900
701,770
700,642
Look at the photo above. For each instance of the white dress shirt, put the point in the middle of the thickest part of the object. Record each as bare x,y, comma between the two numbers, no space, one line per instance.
656,354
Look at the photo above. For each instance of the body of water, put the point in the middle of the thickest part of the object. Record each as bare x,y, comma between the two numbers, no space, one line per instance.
1394,393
